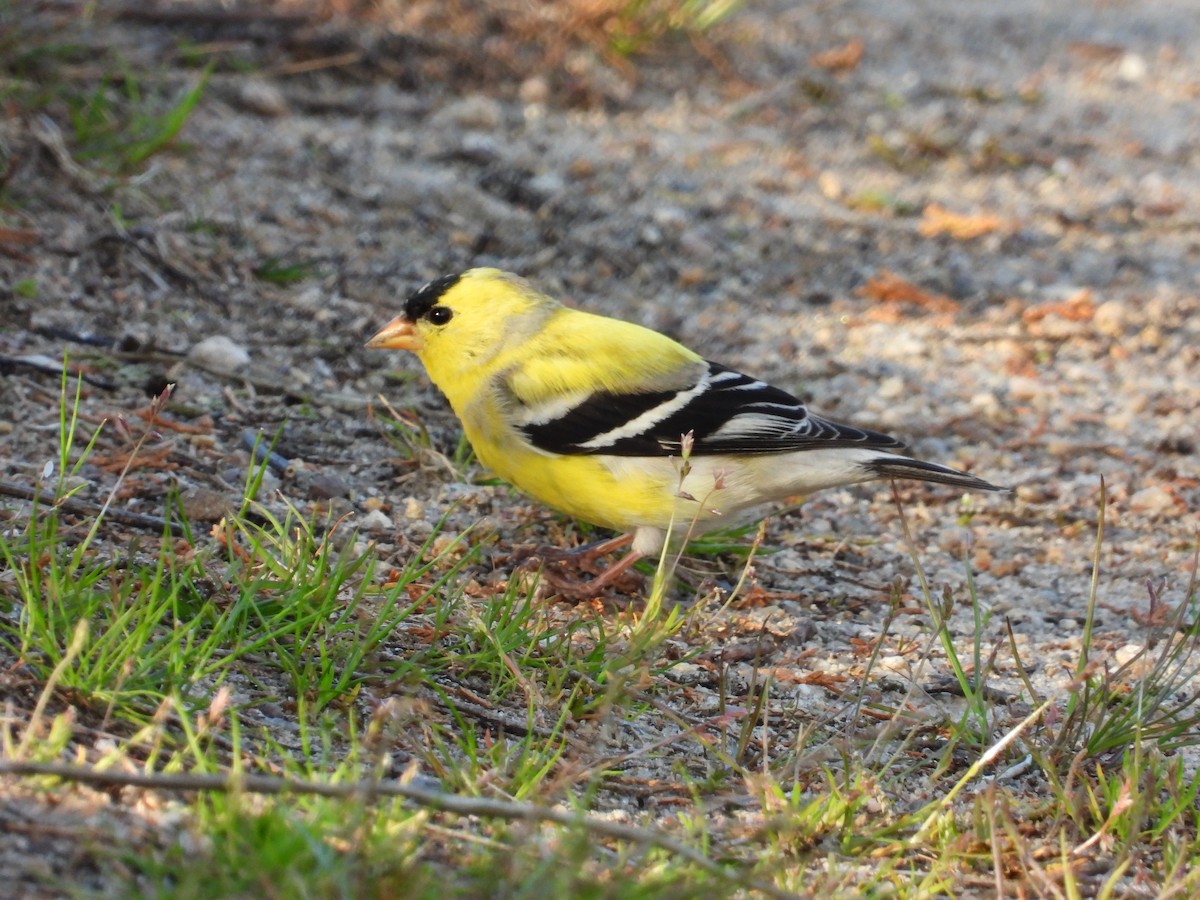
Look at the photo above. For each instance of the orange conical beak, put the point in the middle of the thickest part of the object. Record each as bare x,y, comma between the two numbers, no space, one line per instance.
398,334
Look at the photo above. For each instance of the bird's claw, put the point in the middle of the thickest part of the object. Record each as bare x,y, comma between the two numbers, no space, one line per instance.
560,571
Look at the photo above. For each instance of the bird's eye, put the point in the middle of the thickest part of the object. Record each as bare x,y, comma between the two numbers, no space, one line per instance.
440,315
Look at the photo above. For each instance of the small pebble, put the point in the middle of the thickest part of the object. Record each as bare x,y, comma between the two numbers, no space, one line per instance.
830,185
1023,388
324,486
1127,653
534,90
219,353
546,185
474,111
1132,68
1155,499
204,505
1110,318
448,542
688,673
890,388
263,98
418,531
375,521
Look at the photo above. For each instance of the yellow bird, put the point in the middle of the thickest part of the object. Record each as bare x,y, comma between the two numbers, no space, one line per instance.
590,415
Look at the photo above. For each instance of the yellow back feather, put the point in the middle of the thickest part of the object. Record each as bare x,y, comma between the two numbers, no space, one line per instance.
503,328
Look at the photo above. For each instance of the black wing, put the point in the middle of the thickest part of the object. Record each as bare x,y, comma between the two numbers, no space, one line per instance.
726,412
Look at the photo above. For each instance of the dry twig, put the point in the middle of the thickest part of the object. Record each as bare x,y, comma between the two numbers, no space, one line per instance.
86,508
370,789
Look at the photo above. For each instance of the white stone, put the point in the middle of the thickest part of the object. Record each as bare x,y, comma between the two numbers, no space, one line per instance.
1153,499
375,520
219,353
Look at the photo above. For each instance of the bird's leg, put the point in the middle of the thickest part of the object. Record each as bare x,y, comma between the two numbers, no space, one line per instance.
583,557
587,555
613,572
569,585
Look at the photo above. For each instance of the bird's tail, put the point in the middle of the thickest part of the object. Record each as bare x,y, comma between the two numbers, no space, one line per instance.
919,470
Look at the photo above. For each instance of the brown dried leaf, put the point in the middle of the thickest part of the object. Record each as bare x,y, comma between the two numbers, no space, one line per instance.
1094,52
888,287
1079,307
18,237
839,59
939,220
823,679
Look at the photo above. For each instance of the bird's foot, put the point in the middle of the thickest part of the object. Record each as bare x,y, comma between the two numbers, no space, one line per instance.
563,571
584,557
618,579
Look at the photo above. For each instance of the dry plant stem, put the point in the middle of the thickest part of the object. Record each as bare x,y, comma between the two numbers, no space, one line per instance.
39,710
50,136
397,416
156,406
1090,616
992,753
370,789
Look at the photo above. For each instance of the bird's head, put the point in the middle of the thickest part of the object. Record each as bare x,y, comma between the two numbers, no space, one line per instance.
464,320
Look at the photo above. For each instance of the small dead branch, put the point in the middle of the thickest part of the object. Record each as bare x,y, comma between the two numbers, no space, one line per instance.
47,365
47,133
370,789
86,508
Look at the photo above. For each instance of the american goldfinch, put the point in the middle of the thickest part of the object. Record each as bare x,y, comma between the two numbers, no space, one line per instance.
591,415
